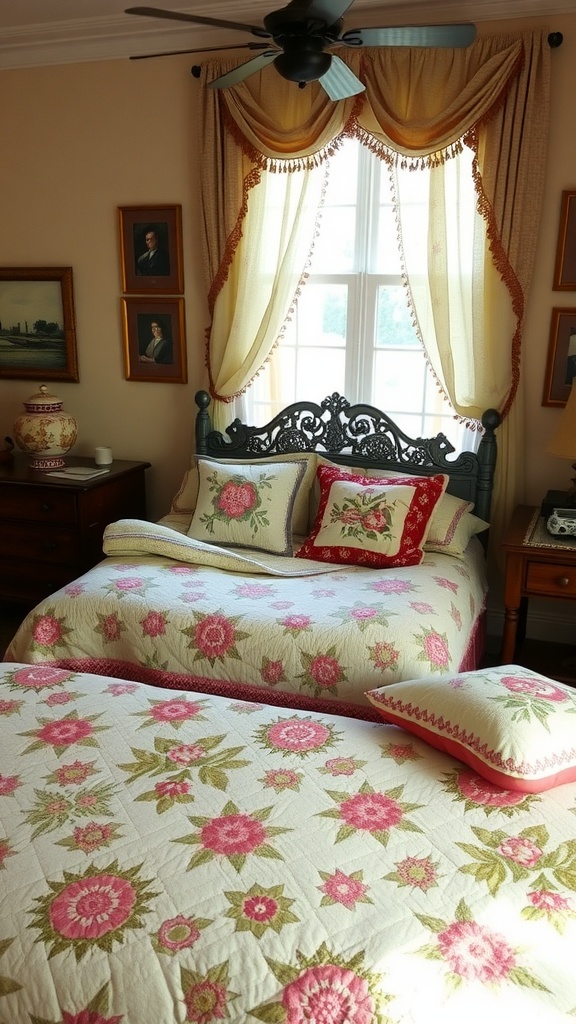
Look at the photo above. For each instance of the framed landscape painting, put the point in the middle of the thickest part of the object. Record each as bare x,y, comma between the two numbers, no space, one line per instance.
37,327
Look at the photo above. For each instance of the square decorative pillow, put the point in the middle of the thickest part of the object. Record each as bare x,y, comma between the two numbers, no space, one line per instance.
184,502
451,525
377,523
512,726
247,506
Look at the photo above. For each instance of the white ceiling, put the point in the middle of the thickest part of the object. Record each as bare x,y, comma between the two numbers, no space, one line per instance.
41,32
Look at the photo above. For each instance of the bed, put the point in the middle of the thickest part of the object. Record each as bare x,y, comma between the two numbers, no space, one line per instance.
178,856
242,591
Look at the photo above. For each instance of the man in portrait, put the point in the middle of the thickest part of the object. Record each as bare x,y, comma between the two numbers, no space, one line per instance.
155,260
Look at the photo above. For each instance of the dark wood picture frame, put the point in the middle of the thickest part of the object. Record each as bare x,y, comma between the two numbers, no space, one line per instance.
561,361
37,325
151,355
565,266
164,274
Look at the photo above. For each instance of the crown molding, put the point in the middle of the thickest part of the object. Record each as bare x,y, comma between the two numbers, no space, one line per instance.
121,36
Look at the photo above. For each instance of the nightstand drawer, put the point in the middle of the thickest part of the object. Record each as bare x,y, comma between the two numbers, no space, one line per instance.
551,580
31,583
21,542
40,504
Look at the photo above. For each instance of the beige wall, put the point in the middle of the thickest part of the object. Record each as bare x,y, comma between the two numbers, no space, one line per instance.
77,142
80,140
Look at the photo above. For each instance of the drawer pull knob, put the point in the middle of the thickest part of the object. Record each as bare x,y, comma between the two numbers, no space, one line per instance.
564,581
45,507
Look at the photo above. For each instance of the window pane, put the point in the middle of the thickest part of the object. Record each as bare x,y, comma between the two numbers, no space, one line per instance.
333,251
394,327
398,381
320,317
335,247
321,373
387,259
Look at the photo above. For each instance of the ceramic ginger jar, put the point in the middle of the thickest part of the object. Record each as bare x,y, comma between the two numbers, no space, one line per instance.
45,431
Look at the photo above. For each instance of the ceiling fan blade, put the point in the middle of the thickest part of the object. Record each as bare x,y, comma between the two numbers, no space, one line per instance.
203,49
329,11
339,81
411,35
250,67
197,19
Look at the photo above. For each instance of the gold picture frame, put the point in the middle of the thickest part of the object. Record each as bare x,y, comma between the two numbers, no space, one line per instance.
565,265
37,325
151,249
154,340
561,360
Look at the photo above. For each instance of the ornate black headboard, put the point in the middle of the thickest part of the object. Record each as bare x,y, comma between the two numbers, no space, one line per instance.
356,435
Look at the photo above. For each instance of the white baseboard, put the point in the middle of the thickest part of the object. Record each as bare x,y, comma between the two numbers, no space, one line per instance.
553,621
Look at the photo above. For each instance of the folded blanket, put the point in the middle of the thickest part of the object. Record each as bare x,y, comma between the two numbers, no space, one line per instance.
128,537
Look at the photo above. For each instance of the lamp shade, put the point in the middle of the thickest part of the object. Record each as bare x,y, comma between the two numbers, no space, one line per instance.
563,441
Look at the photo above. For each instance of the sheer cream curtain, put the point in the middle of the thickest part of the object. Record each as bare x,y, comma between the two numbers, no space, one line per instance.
418,106
264,170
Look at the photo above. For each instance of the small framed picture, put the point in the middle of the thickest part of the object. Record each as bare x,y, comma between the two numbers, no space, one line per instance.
151,249
565,266
561,362
154,340
37,327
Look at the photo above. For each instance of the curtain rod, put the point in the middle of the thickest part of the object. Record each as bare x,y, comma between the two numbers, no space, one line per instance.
555,39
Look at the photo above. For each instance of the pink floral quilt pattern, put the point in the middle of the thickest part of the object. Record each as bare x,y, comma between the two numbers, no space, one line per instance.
182,857
321,638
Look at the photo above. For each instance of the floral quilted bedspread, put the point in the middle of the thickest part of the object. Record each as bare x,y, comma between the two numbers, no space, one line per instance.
325,637
172,857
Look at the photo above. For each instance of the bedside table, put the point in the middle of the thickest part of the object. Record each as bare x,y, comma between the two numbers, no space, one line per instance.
537,565
51,527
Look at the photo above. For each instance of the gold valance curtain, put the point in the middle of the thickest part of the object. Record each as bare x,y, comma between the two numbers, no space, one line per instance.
418,103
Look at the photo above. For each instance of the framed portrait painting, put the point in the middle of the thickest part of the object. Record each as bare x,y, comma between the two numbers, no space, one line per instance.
154,340
151,249
565,266
37,326
561,361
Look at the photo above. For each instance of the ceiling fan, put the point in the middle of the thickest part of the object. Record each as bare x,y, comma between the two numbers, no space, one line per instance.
296,37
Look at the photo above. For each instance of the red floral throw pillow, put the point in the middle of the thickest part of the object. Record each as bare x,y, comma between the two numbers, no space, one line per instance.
378,523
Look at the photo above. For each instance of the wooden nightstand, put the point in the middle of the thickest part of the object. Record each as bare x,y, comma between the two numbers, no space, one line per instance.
51,528
537,565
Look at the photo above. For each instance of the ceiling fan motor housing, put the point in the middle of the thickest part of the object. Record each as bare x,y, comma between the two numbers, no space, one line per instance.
302,40
302,65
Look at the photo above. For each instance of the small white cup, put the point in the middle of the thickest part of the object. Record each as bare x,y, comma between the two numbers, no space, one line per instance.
103,456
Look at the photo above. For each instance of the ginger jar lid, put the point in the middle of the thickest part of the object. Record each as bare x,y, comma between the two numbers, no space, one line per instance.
43,401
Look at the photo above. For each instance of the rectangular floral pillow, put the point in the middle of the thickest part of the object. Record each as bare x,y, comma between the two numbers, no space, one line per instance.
247,505
184,501
514,727
377,523
452,526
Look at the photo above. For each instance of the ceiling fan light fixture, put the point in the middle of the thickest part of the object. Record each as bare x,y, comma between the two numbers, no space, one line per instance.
308,66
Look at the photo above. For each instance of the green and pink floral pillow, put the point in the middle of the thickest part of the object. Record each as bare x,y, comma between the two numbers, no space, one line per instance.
512,726
452,523
378,523
247,506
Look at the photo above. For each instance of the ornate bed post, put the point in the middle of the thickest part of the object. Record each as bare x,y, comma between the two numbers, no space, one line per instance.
487,463
203,423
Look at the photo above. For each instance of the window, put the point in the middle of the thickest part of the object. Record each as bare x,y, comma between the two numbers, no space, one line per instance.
352,330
